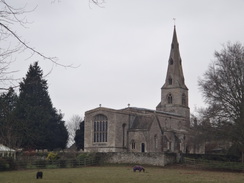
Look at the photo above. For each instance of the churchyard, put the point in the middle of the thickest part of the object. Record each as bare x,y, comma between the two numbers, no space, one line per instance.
122,174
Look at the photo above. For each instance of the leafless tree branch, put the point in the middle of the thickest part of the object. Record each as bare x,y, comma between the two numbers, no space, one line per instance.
97,2
10,16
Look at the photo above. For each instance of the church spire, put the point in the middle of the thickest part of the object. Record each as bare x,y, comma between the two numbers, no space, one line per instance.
174,93
174,40
174,77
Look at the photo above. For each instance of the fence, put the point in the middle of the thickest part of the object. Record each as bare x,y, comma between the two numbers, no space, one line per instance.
213,164
45,164
42,164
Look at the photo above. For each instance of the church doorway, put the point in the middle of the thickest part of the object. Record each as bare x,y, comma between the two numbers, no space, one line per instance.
142,147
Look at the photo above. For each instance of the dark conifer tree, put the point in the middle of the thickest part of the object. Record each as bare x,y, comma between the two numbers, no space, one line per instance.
8,126
41,125
79,136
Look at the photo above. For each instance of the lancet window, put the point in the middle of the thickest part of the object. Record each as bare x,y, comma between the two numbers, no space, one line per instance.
183,99
170,98
170,81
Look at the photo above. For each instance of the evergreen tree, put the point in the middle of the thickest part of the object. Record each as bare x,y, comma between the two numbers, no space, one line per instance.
40,123
79,136
8,126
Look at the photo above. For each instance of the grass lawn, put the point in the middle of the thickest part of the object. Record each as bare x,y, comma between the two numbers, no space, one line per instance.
121,174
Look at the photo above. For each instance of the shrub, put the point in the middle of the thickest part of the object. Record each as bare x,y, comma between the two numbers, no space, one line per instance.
7,164
52,156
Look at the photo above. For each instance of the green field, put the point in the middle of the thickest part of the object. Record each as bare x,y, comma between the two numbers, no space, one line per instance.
121,174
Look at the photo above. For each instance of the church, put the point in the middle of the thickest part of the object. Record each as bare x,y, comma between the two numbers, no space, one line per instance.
132,129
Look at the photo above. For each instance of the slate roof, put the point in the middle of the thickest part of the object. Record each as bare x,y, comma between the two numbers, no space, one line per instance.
142,123
137,109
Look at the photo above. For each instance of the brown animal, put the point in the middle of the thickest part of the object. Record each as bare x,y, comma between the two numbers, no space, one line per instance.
139,168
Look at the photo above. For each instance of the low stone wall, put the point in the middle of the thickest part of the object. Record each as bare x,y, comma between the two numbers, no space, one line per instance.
155,159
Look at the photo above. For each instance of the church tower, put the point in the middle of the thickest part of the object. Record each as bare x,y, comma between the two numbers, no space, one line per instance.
174,93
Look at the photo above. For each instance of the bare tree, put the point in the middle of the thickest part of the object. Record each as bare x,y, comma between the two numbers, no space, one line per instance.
72,126
9,17
223,89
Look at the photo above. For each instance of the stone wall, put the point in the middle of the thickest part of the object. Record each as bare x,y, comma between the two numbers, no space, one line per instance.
155,159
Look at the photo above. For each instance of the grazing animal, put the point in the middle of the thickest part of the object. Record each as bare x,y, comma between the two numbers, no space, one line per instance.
39,175
139,168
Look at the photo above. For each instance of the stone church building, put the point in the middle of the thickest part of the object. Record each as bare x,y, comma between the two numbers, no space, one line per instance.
132,129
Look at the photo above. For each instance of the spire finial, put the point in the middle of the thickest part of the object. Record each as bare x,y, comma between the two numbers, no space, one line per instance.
174,19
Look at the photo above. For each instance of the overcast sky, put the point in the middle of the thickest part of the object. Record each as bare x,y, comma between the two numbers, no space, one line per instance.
122,49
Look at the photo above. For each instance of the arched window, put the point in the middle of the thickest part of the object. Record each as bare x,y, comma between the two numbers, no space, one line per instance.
183,99
171,61
100,128
170,98
170,81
